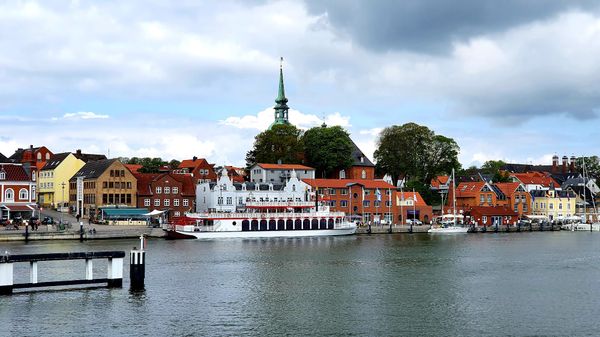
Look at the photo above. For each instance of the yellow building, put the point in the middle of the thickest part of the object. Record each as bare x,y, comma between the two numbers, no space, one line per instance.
53,180
554,204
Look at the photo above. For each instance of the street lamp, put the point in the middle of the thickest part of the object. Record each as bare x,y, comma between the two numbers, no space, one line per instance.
62,204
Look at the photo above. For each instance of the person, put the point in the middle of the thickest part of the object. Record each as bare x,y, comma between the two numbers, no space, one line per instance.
77,217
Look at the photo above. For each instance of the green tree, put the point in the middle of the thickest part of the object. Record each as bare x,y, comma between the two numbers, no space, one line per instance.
592,166
413,152
174,163
283,142
151,165
327,149
494,167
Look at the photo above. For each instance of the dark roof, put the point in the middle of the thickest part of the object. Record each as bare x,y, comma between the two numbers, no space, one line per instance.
55,160
93,169
357,154
522,168
3,158
87,157
17,157
580,190
558,193
14,172
562,177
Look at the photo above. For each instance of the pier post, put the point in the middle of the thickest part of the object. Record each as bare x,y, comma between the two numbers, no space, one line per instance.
26,232
115,272
80,231
137,266
89,269
33,272
6,275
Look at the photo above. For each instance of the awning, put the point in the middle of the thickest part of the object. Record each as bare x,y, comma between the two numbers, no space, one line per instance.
18,208
124,212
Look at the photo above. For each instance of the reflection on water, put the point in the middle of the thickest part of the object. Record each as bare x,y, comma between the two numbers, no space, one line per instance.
467,285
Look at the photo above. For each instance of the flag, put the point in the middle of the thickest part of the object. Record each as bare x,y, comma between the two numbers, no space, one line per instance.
363,193
414,195
378,194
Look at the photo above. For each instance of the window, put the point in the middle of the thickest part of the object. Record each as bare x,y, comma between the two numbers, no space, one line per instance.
158,190
551,206
481,199
33,192
560,205
344,192
176,202
516,207
363,174
105,184
484,219
388,203
156,202
9,195
332,191
175,190
377,203
167,202
177,213
186,202
147,202
229,200
32,176
129,184
489,198
39,156
332,203
342,174
167,190
343,203
47,156
23,194
220,201
366,203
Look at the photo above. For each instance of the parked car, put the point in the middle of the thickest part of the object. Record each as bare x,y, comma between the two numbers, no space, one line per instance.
414,221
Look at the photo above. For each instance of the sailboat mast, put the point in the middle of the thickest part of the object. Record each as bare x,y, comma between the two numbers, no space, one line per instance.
453,198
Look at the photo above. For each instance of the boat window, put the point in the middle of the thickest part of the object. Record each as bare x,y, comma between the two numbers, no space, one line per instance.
330,224
306,224
289,224
315,224
280,225
298,224
263,225
323,224
254,225
245,225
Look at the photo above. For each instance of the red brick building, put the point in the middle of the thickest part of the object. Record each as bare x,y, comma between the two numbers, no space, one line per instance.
481,193
361,168
171,192
199,168
491,215
371,200
17,192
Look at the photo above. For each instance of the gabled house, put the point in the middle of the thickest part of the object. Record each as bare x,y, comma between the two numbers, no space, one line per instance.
554,204
199,168
17,192
170,192
535,180
483,194
102,183
361,167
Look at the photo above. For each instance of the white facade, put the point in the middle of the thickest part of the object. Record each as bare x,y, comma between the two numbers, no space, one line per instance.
225,196
279,173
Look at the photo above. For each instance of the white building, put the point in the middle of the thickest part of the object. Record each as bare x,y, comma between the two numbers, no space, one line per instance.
279,173
227,196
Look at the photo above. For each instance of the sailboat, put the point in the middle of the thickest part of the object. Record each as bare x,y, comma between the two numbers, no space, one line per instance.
450,227
585,226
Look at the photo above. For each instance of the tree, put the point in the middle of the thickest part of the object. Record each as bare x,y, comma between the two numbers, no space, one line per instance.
174,163
592,166
413,152
327,149
494,167
283,142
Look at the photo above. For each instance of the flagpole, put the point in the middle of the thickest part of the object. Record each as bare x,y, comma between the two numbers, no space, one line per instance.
362,207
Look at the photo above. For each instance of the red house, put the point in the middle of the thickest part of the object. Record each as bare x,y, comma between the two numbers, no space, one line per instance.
361,168
170,192
17,192
492,215
199,168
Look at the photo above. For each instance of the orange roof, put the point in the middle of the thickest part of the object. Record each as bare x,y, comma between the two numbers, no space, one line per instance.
535,178
410,195
191,163
284,167
507,188
469,189
39,165
343,183
134,168
439,180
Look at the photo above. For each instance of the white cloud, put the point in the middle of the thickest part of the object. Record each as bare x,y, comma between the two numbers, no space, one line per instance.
264,118
83,115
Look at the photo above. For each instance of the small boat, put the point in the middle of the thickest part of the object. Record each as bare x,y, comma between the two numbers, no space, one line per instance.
449,221
263,220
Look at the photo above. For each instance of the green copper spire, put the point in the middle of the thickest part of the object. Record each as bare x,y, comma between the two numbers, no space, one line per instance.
281,108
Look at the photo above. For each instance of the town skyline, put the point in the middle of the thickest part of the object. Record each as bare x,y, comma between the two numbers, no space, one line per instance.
193,80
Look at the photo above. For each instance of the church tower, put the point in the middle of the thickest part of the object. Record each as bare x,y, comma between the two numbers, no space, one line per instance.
281,108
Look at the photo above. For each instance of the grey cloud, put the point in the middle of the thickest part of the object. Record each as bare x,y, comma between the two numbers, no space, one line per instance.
430,26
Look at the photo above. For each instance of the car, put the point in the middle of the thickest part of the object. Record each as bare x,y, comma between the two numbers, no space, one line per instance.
414,221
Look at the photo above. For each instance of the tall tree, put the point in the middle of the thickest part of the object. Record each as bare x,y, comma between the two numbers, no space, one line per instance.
413,152
494,167
592,166
283,142
327,149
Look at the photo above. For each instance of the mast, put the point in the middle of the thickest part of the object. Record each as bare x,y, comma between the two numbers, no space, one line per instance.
584,199
453,198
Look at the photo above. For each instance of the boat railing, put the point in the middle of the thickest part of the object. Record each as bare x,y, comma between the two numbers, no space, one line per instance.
259,215
290,204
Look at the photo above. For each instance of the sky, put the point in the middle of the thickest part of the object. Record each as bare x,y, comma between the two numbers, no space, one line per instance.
510,80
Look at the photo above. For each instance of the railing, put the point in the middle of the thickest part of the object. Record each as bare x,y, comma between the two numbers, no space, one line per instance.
114,276
257,215
290,204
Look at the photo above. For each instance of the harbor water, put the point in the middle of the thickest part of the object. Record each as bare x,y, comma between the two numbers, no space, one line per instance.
505,284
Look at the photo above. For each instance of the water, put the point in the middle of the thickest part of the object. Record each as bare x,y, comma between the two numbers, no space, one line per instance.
527,284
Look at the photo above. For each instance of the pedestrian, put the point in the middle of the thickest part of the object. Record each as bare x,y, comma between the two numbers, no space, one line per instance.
77,217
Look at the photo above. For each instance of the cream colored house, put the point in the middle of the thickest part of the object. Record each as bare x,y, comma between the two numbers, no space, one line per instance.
554,204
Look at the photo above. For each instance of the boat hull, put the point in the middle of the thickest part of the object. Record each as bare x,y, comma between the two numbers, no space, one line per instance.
581,227
448,230
261,234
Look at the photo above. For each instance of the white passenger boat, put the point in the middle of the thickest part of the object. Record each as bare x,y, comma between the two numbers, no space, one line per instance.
263,220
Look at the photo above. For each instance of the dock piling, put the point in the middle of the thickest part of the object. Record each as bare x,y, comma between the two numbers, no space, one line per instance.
137,266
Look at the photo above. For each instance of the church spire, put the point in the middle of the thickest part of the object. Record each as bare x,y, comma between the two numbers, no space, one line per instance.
281,108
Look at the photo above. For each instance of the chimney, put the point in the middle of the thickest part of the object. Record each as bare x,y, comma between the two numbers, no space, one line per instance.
78,152
554,164
194,158
565,161
31,147
572,164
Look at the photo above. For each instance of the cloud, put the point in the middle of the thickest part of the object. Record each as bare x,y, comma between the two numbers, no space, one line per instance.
81,115
264,118
431,26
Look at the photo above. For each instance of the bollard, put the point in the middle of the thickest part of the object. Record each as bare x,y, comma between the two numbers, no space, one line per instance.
137,266
81,231
369,229
26,232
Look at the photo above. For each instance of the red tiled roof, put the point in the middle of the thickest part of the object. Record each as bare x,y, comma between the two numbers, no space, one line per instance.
507,188
284,167
14,172
342,183
188,186
439,180
143,182
134,168
536,178
190,163
469,189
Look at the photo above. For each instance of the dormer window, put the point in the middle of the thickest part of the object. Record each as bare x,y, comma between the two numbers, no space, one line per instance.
362,159
2,175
